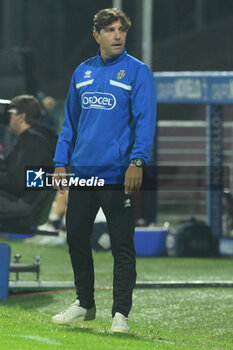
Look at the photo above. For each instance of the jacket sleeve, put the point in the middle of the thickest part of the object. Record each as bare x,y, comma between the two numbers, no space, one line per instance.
68,135
143,107
12,180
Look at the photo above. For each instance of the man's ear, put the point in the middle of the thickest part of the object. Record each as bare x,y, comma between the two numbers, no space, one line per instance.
96,36
22,117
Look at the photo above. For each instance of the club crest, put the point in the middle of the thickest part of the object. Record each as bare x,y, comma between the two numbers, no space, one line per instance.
120,74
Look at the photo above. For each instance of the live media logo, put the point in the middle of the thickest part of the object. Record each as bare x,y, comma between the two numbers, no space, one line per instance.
35,178
39,178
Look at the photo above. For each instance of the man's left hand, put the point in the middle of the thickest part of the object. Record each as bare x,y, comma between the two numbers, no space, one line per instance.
133,179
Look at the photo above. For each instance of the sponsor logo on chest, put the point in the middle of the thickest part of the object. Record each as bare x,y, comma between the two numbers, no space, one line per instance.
98,100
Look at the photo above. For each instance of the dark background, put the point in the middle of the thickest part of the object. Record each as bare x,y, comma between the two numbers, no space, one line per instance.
187,35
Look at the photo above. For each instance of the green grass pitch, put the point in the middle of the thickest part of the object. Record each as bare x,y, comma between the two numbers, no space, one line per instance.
188,318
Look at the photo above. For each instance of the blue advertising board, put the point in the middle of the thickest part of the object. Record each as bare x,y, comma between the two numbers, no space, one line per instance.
213,89
194,87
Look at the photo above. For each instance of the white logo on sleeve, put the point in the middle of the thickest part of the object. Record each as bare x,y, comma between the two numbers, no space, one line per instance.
98,100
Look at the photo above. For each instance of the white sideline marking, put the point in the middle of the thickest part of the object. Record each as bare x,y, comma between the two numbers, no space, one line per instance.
139,284
42,339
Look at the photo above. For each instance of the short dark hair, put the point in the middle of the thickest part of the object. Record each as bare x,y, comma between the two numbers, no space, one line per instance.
29,105
105,17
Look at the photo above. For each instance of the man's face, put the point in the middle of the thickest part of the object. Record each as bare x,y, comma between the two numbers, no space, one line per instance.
111,40
15,121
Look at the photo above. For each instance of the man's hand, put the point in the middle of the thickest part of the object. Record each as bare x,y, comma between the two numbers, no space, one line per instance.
133,179
59,174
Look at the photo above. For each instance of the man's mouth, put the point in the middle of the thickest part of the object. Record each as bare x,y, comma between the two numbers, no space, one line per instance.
116,45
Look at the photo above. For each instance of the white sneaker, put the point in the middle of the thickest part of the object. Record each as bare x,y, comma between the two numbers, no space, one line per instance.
75,313
59,240
119,324
32,240
45,240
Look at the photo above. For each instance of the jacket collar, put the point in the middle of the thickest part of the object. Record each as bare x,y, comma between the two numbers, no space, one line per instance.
112,60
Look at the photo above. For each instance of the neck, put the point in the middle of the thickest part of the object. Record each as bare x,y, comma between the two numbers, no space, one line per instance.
110,59
23,128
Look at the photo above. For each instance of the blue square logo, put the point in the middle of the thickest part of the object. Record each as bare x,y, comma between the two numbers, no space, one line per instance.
35,178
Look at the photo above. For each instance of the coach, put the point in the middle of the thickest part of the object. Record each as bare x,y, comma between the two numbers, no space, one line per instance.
108,132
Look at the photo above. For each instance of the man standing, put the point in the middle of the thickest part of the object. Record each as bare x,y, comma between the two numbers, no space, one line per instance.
108,132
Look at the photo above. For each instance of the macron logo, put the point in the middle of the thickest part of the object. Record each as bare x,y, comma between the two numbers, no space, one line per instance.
35,178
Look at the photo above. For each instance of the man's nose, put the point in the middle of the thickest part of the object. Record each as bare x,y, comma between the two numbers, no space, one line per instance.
117,34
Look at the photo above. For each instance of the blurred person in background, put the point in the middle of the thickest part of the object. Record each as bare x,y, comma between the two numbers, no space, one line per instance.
34,147
56,222
107,132
48,104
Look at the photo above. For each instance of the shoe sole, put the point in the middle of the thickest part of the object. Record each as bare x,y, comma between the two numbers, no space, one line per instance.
118,330
76,320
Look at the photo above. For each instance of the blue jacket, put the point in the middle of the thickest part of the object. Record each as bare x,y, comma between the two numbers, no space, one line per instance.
110,118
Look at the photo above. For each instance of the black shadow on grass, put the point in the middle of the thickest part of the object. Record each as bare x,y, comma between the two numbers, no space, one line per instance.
108,334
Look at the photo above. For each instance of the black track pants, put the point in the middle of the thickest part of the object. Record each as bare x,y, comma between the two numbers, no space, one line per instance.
118,208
